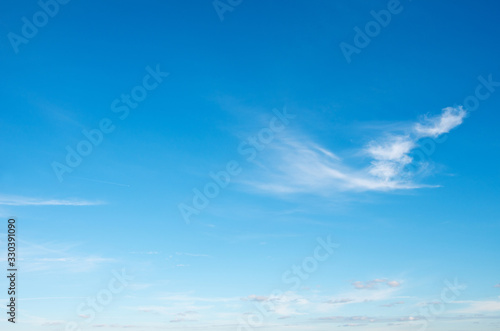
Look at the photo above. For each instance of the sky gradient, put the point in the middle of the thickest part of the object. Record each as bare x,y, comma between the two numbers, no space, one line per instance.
243,165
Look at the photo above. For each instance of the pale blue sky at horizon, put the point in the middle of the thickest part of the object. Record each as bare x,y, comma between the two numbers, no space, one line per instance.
243,165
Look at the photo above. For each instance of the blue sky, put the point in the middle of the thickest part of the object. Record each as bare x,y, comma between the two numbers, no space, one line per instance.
355,190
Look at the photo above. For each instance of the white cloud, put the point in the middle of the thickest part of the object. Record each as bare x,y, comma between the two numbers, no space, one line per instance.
57,258
393,283
64,264
392,154
372,284
11,200
476,307
395,148
299,166
435,126
295,164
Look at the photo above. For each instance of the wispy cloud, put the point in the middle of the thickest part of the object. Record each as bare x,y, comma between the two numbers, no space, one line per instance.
296,164
51,298
477,307
391,154
280,306
374,284
300,166
438,125
11,200
65,264
286,305
59,258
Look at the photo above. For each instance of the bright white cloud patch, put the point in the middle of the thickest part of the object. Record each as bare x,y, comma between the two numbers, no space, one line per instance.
298,165
390,156
435,126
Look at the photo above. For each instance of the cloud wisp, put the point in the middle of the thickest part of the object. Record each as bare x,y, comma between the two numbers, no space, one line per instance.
392,153
296,164
12,200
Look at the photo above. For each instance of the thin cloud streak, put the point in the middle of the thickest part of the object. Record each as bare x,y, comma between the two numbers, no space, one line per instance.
392,154
10,200
299,165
